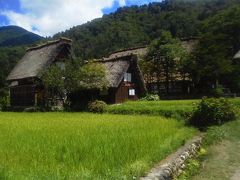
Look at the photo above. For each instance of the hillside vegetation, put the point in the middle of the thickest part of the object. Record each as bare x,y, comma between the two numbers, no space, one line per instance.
137,26
214,22
16,36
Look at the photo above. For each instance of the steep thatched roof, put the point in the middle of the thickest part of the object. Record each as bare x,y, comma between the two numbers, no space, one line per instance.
117,67
38,58
237,55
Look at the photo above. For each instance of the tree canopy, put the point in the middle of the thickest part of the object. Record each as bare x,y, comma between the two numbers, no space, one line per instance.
60,82
166,58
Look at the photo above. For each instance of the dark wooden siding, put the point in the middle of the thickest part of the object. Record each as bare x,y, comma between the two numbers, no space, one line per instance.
122,92
22,95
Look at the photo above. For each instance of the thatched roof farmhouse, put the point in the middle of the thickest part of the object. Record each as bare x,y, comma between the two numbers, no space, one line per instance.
38,58
24,89
125,81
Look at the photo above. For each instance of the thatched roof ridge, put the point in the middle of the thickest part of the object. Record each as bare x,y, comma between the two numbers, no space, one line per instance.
188,43
49,43
37,59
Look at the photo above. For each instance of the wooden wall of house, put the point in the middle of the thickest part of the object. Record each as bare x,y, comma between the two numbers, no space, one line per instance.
22,96
27,93
122,92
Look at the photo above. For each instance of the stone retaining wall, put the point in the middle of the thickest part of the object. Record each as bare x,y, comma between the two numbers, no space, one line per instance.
174,164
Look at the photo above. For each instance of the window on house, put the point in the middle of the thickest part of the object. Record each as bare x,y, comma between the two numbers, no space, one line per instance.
127,77
131,92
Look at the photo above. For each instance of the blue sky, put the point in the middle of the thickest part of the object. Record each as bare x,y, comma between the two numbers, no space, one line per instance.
42,17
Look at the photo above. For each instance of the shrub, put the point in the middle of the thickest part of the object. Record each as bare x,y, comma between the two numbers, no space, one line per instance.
217,92
4,102
151,97
97,106
212,111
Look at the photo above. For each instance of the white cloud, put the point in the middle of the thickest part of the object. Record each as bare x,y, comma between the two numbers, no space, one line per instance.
49,17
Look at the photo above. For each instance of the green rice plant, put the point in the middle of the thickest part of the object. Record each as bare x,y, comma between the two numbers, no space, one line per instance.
179,109
175,109
85,146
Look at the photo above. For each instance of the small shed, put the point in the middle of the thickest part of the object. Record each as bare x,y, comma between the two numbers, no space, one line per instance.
125,82
26,89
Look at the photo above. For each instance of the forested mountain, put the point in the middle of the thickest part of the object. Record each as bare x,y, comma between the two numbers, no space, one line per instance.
137,26
15,36
214,22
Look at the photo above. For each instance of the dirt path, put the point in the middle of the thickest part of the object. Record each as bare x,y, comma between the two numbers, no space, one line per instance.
223,160
236,176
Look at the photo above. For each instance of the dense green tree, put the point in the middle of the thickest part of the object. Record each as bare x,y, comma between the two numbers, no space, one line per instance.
167,58
8,59
60,82
137,26
218,44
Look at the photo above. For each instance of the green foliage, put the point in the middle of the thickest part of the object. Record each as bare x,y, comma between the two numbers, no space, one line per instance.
166,56
92,76
216,22
177,109
97,106
16,36
8,58
138,26
54,82
180,109
218,92
214,54
4,103
193,166
212,111
151,97
85,146
74,77
85,76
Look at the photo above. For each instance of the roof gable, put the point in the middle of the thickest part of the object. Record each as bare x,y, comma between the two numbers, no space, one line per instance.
117,67
115,71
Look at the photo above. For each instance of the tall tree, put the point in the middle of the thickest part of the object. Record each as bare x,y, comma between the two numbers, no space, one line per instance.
218,44
60,82
166,56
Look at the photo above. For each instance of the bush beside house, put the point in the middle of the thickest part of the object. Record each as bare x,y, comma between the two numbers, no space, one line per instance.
212,111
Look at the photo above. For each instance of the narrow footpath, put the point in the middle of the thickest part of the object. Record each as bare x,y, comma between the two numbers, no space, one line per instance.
223,159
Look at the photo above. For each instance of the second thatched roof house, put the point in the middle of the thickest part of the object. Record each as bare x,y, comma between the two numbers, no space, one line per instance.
125,82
